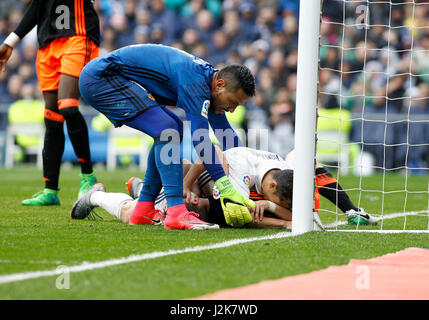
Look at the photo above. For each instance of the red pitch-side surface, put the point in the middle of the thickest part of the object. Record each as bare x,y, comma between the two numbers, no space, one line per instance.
397,276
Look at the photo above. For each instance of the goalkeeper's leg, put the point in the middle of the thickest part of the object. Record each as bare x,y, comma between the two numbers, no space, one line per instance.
164,168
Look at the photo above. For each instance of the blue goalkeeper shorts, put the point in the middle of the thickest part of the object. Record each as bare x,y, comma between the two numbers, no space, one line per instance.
118,98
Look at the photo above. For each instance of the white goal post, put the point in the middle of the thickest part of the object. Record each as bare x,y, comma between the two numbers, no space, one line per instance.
378,130
305,116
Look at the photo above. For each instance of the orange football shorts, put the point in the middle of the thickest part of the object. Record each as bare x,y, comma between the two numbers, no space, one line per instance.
63,56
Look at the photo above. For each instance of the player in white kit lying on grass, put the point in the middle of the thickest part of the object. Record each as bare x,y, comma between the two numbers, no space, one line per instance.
262,176
121,205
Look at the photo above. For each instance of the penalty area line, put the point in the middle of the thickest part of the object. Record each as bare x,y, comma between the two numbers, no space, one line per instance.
88,266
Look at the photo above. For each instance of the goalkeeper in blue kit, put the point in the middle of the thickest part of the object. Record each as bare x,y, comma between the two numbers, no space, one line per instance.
133,85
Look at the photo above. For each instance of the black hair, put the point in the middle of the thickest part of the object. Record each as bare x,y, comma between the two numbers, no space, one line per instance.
238,76
284,179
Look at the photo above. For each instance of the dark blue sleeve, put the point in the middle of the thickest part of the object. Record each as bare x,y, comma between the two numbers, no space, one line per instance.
225,134
203,145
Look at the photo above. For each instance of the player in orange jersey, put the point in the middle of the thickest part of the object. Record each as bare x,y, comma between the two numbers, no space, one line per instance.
68,34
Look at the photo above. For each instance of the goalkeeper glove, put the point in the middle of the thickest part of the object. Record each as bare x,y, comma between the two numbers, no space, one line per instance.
233,203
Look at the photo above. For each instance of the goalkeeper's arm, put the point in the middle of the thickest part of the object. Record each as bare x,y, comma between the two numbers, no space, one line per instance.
233,203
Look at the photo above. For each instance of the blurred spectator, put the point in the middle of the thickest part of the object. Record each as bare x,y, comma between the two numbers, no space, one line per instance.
200,50
268,16
330,59
4,93
108,43
190,9
219,50
265,83
232,28
289,7
257,112
329,82
277,64
14,86
123,31
166,18
178,45
141,34
157,34
260,51
26,71
143,17
6,6
205,25
279,41
292,61
290,30
26,110
257,122
236,30
416,18
233,58
247,11
420,58
282,122
29,51
291,86
190,39
327,32
283,109
14,17
130,7
3,28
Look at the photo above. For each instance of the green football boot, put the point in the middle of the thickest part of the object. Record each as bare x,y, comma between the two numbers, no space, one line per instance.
360,217
47,197
86,182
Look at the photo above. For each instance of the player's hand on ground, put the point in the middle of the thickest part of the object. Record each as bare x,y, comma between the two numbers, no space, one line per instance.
189,197
234,204
5,53
258,211
187,194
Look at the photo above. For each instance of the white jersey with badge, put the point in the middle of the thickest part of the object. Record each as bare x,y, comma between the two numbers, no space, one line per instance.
247,167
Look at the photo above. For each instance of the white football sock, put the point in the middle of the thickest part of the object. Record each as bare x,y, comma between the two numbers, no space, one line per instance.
109,201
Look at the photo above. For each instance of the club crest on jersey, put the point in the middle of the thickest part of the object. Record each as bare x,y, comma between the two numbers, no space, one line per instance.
205,109
246,180
216,193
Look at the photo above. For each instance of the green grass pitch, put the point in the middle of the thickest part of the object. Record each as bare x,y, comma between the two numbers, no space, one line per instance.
44,238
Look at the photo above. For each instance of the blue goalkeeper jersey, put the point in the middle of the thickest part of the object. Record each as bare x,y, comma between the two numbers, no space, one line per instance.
176,78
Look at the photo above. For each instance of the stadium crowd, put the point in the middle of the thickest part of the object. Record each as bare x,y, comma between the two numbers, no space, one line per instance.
263,35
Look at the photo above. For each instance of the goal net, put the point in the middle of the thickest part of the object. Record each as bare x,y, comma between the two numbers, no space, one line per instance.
373,111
